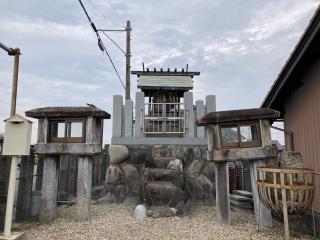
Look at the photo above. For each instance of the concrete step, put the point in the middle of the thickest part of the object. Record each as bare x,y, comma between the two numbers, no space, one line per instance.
243,193
160,174
162,193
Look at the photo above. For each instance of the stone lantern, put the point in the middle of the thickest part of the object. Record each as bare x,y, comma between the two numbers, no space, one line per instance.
239,135
68,130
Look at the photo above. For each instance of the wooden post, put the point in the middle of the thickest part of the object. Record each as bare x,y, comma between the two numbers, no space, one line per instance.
84,187
222,193
49,188
25,187
4,181
284,207
262,213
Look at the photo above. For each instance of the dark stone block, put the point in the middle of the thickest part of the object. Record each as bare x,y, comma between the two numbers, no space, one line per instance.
140,154
163,193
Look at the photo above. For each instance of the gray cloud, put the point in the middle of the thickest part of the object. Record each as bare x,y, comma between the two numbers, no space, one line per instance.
239,47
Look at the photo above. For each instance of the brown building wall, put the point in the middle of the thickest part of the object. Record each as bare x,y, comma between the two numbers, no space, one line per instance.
302,116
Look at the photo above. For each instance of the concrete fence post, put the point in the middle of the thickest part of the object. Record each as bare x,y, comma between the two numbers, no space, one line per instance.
117,116
139,128
190,119
128,118
210,103
200,112
210,107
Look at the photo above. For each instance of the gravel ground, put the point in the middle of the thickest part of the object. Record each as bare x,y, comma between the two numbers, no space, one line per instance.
114,221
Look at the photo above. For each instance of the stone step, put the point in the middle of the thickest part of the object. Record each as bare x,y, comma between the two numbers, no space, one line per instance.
159,193
243,193
239,198
162,211
160,174
241,205
162,162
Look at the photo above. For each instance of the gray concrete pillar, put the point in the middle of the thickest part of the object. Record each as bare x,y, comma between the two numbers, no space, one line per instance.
222,193
139,128
210,103
117,116
200,112
261,212
210,107
84,186
128,118
49,190
190,119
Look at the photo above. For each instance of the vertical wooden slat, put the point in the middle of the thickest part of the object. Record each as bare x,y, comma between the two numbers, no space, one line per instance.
284,207
291,192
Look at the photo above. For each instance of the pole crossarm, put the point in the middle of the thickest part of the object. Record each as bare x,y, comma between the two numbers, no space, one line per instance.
10,51
111,30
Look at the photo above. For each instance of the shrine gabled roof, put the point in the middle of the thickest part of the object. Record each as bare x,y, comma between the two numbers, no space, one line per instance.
165,82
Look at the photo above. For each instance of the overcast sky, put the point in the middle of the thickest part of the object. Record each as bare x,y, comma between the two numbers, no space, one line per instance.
239,46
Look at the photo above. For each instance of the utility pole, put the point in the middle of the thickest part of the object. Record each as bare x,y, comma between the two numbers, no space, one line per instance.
16,53
128,57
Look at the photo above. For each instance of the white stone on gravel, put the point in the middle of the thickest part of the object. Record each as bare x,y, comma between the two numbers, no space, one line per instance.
140,212
115,221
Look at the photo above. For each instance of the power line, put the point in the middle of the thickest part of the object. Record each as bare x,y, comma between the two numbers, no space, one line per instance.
114,43
100,43
104,16
114,67
114,11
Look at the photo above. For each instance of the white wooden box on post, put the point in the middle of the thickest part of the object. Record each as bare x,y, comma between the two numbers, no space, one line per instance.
17,136
16,142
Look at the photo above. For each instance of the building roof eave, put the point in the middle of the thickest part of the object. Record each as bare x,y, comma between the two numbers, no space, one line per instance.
295,57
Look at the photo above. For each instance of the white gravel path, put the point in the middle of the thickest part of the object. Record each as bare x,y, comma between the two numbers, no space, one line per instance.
115,221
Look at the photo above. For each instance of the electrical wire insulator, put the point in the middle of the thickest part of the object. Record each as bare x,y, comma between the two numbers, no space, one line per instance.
100,44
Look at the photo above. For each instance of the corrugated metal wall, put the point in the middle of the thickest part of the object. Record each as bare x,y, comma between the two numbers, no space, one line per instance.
302,116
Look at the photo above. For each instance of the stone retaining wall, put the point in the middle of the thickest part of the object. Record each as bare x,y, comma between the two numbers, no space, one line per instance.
123,180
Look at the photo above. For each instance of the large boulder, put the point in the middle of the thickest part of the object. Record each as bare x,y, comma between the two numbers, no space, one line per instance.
100,191
200,190
209,171
132,178
122,191
130,171
163,193
118,154
115,174
195,168
140,154
108,198
160,174
206,190
176,165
